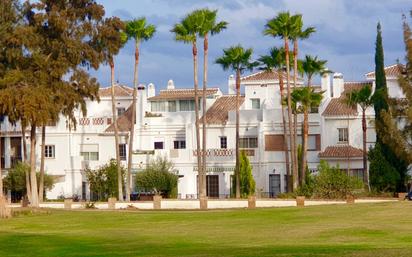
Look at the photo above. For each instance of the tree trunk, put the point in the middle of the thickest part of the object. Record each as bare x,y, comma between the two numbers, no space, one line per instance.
200,171
205,70
295,118
237,167
41,182
304,146
116,135
291,131
285,137
33,180
1,170
25,158
365,154
130,155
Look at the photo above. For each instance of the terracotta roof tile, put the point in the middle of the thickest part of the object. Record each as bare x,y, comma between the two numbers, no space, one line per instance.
218,113
119,91
265,75
124,121
169,94
390,71
338,107
341,151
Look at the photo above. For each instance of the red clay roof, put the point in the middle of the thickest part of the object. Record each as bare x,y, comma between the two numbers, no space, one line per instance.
218,113
119,91
390,71
185,94
265,75
341,151
124,121
338,107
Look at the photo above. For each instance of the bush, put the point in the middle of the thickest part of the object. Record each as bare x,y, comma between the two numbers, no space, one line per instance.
332,183
383,176
308,187
103,181
247,182
16,180
159,177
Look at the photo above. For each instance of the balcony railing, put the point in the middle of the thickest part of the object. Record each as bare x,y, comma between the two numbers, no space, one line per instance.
224,152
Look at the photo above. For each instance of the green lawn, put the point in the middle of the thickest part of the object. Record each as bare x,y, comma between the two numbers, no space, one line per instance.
383,229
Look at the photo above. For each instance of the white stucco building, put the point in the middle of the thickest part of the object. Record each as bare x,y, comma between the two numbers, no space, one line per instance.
165,125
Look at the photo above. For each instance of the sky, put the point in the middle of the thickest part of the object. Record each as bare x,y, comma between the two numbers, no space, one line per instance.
345,36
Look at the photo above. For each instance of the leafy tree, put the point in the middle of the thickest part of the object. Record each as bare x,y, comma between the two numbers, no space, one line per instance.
276,61
103,181
140,31
362,97
187,32
158,177
237,59
16,179
209,27
247,182
380,103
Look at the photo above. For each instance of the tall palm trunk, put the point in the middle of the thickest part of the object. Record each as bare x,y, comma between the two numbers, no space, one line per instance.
365,155
1,170
285,142
205,69
116,135
237,167
34,195
290,125
198,150
305,133
130,155
25,158
41,182
295,118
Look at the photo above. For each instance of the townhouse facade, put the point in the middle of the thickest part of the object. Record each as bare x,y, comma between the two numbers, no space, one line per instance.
165,126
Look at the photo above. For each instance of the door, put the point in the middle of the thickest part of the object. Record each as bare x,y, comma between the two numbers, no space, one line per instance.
212,186
274,185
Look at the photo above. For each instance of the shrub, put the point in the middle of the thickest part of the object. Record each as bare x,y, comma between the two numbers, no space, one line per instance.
158,177
103,181
383,176
332,183
308,187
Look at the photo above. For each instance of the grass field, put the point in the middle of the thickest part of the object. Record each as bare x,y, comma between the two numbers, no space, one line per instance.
383,229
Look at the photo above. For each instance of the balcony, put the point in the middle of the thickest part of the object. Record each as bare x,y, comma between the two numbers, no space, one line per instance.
224,152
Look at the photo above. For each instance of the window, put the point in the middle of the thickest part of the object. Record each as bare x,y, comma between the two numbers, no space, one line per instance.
49,151
90,152
171,106
158,145
343,135
158,106
187,105
122,151
120,111
248,142
179,144
255,103
223,142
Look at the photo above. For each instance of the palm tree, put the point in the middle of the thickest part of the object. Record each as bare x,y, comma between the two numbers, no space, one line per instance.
210,26
237,59
363,98
139,30
298,33
186,31
310,66
276,60
25,157
282,26
305,98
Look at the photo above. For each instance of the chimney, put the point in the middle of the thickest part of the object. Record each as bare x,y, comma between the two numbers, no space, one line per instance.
231,85
170,84
151,91
325,83
337,85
